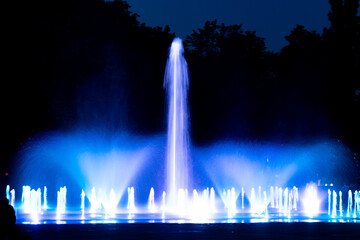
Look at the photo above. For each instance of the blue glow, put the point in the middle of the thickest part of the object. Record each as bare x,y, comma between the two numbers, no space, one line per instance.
176,83
88,172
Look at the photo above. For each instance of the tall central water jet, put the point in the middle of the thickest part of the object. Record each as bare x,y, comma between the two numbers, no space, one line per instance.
176,83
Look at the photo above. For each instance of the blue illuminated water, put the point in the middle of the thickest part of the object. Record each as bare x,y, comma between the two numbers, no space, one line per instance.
86,175
176,83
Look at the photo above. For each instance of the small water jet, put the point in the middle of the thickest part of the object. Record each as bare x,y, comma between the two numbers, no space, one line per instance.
350,203
8,192
340,204
131,200
61,202
272,197
12,197
82,206
334,206
45,205
329,202
151,201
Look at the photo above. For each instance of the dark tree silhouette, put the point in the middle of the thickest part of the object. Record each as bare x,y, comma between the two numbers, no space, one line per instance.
228,81
342,42
300,69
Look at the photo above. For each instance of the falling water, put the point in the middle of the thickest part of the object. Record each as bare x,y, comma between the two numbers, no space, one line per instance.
212,201
286,201
334,204
12,198
252,200
32,202
310,201
45,206
93,201
233,201
182,195
61,201
25,199
340,204
280,199
8,192
291,197
265,205
82,206
201,206
329,202
163,202
151,201
10,195
350,203
112,204
230,201
131,200
35,203
176,83
356,203
272,197
296,197
196,203
276,197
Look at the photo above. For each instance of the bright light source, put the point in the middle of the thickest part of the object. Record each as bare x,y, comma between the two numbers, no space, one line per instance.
310,201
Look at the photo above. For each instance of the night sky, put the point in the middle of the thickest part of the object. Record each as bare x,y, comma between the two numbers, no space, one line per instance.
271,19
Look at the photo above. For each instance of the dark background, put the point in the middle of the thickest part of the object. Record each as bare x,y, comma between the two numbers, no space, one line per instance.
70,63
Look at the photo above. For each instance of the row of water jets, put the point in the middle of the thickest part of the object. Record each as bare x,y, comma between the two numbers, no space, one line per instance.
335,203
200,205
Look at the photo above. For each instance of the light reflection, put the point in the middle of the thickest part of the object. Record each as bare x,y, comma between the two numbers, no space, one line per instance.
259,220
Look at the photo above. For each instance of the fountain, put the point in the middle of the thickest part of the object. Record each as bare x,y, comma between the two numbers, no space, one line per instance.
8,192
25,199
163,203
334,204
272,197
45,206
340,204
151,201
202,206
280,199
111,205
176,83
31,202
61,202
311,201
357,203
12,197
329,202
104,169
350,203
82,207
131,200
